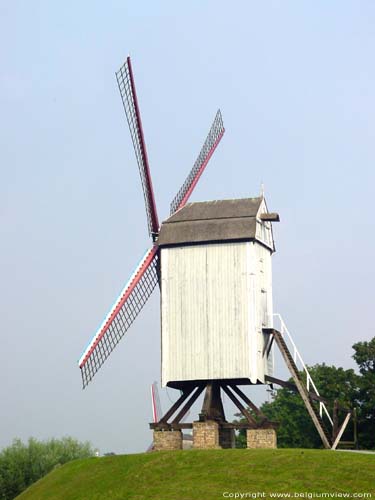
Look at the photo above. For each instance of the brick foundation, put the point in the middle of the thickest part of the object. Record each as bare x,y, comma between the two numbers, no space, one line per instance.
206,434
167,440
261,438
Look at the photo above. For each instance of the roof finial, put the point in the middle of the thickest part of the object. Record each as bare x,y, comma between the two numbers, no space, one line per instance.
262,190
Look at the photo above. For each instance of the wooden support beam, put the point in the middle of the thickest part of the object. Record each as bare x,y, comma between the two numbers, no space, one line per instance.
246,425
186,393
293,387
271,217
341,431
248,401
188,405
169,427
335,419
240,406
212,408
355,430
223,425
237,425
207,401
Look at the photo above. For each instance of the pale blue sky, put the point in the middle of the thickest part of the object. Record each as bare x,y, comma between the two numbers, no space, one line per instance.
295,83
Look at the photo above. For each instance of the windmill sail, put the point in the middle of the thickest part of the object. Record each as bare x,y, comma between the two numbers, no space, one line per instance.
122,314
128,93
155,403
213,138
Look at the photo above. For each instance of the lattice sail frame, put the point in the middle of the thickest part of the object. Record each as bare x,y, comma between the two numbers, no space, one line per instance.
122,314
128,93
213,138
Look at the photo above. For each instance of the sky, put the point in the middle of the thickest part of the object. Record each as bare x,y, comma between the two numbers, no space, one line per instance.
295,83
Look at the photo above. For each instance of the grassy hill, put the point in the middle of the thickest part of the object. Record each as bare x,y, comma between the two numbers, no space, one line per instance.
206,475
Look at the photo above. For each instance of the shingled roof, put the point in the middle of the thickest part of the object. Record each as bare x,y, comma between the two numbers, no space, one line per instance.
209,221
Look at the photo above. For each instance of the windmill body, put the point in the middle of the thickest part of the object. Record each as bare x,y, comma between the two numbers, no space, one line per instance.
216,292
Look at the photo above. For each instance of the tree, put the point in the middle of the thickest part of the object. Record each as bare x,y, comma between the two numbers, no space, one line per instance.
364,356
23,464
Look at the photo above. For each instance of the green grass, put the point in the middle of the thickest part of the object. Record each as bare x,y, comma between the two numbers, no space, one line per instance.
206,475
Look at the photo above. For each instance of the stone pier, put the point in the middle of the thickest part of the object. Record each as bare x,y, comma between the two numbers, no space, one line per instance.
206,434
209,434
167,440
261,438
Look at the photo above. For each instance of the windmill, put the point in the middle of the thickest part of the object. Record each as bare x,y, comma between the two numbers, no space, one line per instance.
212,261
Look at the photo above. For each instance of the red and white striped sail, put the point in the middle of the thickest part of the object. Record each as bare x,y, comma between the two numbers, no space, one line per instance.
125,80
126,308
213,138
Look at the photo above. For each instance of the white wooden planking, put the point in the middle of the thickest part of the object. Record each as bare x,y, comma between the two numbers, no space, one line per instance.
215,300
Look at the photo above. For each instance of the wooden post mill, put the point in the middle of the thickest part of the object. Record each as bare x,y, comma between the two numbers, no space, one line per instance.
212,263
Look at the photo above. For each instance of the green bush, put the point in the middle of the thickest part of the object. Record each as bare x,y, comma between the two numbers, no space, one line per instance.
23,464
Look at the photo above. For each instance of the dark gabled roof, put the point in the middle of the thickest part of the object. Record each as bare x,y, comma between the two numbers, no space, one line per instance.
217,209
221,220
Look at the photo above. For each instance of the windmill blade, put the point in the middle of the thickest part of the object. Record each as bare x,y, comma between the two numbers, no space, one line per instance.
214,136
128,93
132,298
155,403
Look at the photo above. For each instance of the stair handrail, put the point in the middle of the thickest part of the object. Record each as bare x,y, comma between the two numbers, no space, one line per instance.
296,354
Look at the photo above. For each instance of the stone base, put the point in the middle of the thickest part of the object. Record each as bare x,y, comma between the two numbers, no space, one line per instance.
261,438
206,434
167,440
209,434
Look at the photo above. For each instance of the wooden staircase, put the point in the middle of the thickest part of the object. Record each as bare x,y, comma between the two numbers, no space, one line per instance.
302,389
